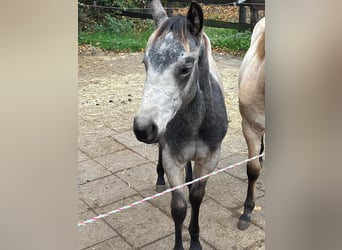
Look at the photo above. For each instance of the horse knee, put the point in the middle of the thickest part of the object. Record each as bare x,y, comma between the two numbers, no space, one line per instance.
178,206
253,171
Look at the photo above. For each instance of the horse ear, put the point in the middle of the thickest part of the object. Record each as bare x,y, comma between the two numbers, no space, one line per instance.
195,18
158,12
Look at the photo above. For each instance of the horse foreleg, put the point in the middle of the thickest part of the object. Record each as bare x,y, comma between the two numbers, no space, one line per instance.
196,195
178,212
188,173
160,185
175,174
253,170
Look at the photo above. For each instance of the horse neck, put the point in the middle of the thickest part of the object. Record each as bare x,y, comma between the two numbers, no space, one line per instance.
202,83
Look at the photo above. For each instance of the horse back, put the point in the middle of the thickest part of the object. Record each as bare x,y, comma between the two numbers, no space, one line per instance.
252,77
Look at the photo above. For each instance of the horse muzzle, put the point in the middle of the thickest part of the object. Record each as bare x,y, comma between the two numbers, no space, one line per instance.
145,130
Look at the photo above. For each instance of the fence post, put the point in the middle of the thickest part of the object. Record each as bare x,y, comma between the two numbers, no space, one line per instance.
169,10
254,16
242,15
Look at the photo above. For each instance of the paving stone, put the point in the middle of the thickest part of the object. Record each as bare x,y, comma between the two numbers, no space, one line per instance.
90,170
95,147
104,191
89,129
82,156
121,160
259,246
228,190
128,139
140,177
162,202
168,243
90,234
111,244
238,171
149,151
258,214
219,229
82,207
137,225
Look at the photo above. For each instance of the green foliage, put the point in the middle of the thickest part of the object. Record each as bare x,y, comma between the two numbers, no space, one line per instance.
229,39
114,24
119,34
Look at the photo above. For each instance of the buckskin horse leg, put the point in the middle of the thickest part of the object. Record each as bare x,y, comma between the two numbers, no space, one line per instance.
253,170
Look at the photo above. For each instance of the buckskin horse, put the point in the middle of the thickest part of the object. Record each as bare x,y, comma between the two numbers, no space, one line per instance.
182,108
251,82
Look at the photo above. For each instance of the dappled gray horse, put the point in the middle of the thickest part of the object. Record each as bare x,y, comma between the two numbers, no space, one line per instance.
182,108
252,108
161,185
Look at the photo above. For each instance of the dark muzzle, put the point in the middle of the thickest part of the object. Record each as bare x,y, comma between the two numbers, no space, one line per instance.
145,131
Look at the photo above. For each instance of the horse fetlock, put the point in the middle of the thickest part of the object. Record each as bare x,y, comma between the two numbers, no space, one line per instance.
160,188
195,244
253,172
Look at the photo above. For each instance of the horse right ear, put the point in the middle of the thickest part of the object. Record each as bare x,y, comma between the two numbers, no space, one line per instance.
158,12
195,18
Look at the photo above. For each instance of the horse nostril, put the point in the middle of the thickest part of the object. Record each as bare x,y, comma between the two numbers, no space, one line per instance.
147,133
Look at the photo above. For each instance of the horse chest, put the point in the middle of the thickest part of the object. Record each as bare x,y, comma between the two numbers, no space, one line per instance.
193,138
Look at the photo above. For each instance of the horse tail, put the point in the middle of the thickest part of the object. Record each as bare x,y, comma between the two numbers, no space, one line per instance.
261,45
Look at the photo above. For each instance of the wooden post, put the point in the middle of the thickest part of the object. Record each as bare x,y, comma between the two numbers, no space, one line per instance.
254,16
169,10
242,14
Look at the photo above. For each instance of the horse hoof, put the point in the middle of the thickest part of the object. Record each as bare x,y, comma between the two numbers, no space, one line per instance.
160,188
195,247
243,224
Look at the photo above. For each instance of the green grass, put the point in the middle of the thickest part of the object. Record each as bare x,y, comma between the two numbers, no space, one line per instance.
118,42
129,37
228,39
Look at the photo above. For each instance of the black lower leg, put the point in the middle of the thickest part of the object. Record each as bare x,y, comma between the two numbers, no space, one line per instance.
160,169
196,196
245,218
178,211
188,174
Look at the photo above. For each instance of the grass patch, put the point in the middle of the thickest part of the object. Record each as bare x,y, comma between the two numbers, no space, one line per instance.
228,39
118,42
128,35
118,34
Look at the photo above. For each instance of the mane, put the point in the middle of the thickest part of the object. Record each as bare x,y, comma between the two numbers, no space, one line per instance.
178,26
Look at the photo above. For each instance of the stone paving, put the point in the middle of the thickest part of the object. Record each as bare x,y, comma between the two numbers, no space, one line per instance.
114,169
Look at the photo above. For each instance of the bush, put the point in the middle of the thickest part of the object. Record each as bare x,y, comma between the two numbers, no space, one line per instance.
114,24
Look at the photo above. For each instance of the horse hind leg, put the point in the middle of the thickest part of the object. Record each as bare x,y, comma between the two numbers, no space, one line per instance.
160,185
253,170
188,174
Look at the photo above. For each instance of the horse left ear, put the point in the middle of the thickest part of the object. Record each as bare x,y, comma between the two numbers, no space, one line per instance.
195,18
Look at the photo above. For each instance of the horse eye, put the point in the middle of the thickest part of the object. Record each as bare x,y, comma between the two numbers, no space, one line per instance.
185,69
